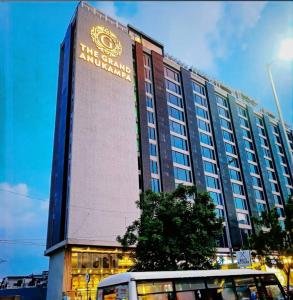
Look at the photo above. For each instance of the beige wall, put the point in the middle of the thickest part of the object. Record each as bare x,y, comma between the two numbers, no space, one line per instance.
104,171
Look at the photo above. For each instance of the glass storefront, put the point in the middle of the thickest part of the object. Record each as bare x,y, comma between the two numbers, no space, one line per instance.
99,263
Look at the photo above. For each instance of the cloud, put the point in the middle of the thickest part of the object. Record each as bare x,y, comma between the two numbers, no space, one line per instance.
20,212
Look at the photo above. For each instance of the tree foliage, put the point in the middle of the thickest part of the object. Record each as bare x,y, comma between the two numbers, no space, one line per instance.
175,231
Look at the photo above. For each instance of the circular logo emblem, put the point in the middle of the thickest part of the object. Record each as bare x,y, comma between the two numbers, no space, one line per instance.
106,41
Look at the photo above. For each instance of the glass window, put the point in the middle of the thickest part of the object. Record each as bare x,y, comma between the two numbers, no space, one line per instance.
269,164
250,156
223,112
203,125
151,133
146,60
232,161
237,189
198,88
150,287
253,169
246,133
261,207
277,199
115,292
176,127
243,122
201,112
180,158
225,123
259,121
182,174
206,152
216,198
243,218
209,167
256,181
219,213
212,182
240,203
246,288
189,284
178,142
154,167
220,288
261,131
171,74
155,184
241,111
228,136
248,145
230,148
147,73
171,86
200,100
153,149
151,118
259,194
221,101
149,101
266,152
206,139
175,113
234,174
174,100
274,187
280,212
148,87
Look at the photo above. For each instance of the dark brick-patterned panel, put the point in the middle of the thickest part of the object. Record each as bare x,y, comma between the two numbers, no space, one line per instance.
142,116
193,134
224,171
164,140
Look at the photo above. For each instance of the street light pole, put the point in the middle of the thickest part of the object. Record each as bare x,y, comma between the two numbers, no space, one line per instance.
279,109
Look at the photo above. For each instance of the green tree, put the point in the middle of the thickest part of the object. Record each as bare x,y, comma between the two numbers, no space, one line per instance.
175,231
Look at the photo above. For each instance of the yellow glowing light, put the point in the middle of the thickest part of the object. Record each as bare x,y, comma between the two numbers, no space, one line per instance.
286,49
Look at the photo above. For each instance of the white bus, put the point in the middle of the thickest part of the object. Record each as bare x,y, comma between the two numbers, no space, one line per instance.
241,284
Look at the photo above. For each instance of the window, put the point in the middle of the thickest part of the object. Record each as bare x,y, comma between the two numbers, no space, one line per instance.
227,136
200,100
206,152
151,118
209,167
261,131
154,167
234,174
240,203
256,181
259,195
277,199
198,88
216,198
248,145
178,142
146,60
153,149
241,111
243,218
269,164
280,212
155,184
203,125
171,74
148,87
175,113
230,148
250,156
222,101
259,121
274,187
176,127
267,152
147,73
212,182
246,133
180,158
232,161
253,169
223,112
261,207
225,123
201,112
149,101
271,175
174,100
206,139
151,133
263,141
219,213
237,189
182,174
243,122
171,86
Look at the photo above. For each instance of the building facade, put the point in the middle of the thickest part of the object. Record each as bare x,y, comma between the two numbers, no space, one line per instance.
130,118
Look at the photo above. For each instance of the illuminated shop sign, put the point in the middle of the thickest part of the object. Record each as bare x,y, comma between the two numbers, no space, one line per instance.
107,51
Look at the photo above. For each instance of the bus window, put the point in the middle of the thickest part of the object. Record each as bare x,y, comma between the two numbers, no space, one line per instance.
190,289
220,289
116,292
246,288
272,288
155,290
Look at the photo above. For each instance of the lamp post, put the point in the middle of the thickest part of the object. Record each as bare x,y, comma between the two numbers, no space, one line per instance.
286,53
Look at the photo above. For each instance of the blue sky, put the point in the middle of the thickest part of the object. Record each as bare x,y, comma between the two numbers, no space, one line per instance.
230,41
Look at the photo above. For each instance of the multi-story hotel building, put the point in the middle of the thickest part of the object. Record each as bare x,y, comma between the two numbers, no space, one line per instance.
129,118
